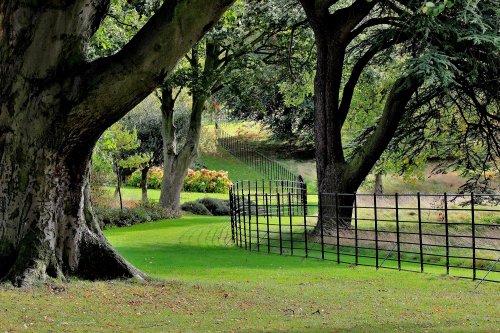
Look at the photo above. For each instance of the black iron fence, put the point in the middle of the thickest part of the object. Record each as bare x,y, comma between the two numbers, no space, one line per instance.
266,166
453,234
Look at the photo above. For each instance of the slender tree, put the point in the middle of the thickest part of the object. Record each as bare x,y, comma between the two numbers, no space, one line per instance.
54,105
245,32
146,120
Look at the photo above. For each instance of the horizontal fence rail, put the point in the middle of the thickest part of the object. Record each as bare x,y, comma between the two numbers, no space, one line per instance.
267,167
453,234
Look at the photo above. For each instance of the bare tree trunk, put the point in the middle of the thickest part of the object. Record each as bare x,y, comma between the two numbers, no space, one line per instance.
176,160
119,186
144,183
378,183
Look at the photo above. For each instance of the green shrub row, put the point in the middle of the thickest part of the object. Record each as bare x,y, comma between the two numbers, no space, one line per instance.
146,212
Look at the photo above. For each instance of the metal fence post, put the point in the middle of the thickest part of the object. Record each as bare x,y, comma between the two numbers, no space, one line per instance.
376,228
419,208
305,232
231,210
473,237
239,221
321,225
337,223
244,219
257,219
279,222
291,220
356,249
447,234
396,199
249,220
267,222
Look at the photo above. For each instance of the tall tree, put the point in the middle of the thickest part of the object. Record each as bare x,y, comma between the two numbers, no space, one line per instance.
54,105
245,32
449,47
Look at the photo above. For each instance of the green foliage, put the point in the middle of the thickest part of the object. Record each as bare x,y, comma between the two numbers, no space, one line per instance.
196,208
207,181
217,207
118,145
122,22
208,206
145,120
146,212
155,176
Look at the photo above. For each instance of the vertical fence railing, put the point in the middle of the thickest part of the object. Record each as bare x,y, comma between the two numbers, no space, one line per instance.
267,167
452,234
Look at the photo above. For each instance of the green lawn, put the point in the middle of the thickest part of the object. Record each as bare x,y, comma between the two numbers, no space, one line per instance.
134,194
213,286
237,170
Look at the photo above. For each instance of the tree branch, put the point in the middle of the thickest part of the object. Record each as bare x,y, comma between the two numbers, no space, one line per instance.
356,72
363,161
114,85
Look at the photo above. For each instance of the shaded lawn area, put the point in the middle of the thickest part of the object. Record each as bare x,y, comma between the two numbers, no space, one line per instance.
213,286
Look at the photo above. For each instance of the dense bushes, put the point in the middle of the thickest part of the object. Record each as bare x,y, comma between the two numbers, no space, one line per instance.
154,178
146,212
196,208
207,181
208,206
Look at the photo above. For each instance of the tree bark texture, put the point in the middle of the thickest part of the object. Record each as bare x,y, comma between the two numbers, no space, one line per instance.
144,183
53,107
176,160
379,189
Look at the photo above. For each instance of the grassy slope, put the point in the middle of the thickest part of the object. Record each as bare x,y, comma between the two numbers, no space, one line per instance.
255,134
216,287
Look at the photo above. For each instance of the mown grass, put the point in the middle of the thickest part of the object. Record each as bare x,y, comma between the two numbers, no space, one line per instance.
134,194
213,286
237,170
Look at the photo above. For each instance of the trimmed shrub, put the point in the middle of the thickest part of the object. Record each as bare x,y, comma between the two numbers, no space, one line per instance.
217,207
146,212
195,208
207,181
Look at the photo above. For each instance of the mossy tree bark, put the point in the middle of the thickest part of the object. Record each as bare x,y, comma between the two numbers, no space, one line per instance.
333,33
53,107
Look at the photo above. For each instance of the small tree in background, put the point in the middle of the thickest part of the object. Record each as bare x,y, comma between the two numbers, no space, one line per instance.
119,146
145,119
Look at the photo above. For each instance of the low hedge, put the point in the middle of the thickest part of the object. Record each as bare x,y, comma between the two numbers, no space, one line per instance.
208,206
146,212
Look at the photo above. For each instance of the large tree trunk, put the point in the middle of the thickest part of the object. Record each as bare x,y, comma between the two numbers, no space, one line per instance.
48,227
339,179
53,108
336,203
176,160
379,189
